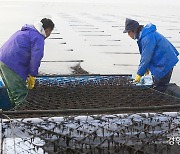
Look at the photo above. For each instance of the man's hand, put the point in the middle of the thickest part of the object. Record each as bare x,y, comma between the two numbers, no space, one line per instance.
137,78
147,72
31,81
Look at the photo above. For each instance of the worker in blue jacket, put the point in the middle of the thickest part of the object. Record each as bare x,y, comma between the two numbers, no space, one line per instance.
158,55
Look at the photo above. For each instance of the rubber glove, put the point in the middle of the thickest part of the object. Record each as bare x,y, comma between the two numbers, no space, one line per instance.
147,72
31,81
137,78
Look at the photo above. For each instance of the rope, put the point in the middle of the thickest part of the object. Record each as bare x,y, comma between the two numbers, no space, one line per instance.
92,111
12,132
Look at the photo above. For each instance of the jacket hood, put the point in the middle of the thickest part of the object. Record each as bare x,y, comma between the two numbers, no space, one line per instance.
28,27
147,29
37,27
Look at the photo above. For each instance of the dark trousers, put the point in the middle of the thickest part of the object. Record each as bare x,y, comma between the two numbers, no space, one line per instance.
162,83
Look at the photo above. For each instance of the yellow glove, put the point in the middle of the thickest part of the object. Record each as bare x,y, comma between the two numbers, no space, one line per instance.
147,72
137,78
31,82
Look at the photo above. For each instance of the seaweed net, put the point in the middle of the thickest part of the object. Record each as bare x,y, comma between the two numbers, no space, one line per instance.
106,134
50,122
93,92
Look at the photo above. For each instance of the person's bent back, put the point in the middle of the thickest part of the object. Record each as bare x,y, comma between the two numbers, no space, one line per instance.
20,58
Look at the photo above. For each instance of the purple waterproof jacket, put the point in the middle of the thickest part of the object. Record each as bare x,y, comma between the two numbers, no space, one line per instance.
23,51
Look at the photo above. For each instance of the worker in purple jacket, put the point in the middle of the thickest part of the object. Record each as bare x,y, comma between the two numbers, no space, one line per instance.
20,58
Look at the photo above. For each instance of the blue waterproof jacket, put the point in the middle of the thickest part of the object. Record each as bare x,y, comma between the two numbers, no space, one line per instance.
23,51
157,53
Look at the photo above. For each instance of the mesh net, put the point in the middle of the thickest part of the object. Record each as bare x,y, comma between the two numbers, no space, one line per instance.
92,92
128,133
50,122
